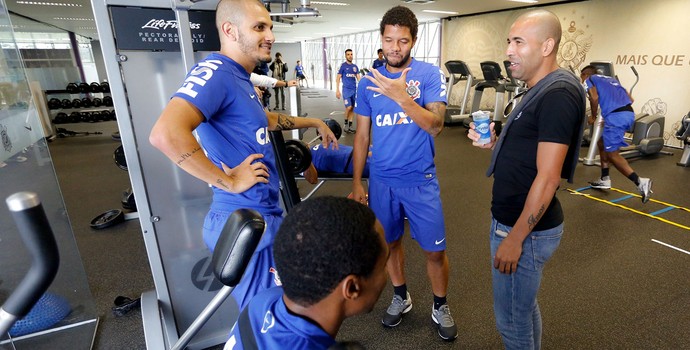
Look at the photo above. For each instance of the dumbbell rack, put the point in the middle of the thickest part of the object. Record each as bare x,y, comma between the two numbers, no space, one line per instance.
71,96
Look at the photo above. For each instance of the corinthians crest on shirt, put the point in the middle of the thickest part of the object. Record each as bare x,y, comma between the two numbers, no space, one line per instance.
413,89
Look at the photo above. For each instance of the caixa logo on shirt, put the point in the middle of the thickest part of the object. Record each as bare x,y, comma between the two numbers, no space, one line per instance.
395,119
199,76
202,276
262,136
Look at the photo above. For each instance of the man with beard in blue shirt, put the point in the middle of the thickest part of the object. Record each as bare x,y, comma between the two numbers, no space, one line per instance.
403,104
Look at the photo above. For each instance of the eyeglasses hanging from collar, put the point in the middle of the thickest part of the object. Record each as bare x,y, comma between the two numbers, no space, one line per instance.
513,102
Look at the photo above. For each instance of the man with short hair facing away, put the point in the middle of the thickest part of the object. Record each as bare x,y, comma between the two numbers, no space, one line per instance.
332,267
349,75
237,158
538,146
403,104
618,117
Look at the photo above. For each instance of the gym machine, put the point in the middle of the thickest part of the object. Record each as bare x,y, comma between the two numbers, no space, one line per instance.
459,71
683,134
492,79
33,226
647,130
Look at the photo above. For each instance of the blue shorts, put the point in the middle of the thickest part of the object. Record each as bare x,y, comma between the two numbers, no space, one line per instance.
349,100
422,207
615,127
260,273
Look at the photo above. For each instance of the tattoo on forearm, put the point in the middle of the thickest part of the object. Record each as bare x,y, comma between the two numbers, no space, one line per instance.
187,155
285,122
220,183
435,108
533,220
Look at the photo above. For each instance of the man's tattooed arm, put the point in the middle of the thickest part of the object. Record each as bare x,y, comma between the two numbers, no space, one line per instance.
285,122
187,155
533,220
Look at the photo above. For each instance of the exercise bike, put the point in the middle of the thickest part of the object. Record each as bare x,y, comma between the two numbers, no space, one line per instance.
648,130
683,134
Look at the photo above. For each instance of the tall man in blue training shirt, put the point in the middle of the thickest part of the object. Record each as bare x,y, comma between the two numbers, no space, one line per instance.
349,75
217,99
403,104
618,115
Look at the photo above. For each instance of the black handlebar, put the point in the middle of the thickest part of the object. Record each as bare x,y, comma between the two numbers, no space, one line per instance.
38,238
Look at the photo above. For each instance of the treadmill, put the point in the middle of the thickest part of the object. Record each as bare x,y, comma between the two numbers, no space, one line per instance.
459,71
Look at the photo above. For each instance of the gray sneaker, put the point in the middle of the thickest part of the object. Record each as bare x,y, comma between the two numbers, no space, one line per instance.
645,188
446,326
395,311
602,183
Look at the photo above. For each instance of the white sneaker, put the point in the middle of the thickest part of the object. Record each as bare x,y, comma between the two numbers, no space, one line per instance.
602,183
645,188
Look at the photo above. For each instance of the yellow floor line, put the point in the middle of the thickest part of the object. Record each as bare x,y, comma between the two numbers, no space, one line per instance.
628,208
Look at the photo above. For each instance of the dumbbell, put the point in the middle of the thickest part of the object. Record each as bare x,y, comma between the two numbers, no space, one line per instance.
95,87
97,102
66,103
75,117
76,103
72,88
61,118
86,102
83,88
108,101
105,115
105,87
299,155
54,103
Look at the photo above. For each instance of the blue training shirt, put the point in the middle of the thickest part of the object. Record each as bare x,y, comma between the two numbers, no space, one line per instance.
335,160
403,153
611,94
348,73
235,126
275,327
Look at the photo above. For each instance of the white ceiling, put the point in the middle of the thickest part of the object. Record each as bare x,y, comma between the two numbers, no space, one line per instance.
358,16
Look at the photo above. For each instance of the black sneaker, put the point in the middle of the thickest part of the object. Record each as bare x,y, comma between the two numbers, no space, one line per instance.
396,309
445,323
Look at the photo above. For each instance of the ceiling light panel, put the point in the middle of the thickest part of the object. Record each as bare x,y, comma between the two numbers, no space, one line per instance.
41,3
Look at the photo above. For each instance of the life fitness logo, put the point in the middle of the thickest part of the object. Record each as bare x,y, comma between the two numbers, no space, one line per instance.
202,276
165,24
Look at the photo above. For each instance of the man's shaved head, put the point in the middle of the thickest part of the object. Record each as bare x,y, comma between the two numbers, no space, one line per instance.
232,11
546,23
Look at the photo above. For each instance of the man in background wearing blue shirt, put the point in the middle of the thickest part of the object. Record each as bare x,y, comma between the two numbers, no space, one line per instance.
618,115
349,74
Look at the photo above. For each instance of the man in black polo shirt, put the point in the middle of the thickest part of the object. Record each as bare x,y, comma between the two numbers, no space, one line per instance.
538,146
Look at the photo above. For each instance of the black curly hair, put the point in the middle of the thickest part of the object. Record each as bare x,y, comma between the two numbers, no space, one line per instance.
400,16
320,242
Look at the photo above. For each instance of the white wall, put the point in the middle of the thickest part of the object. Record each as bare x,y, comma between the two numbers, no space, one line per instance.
651,35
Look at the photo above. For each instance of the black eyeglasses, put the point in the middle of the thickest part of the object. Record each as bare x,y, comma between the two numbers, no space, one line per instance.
513,102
